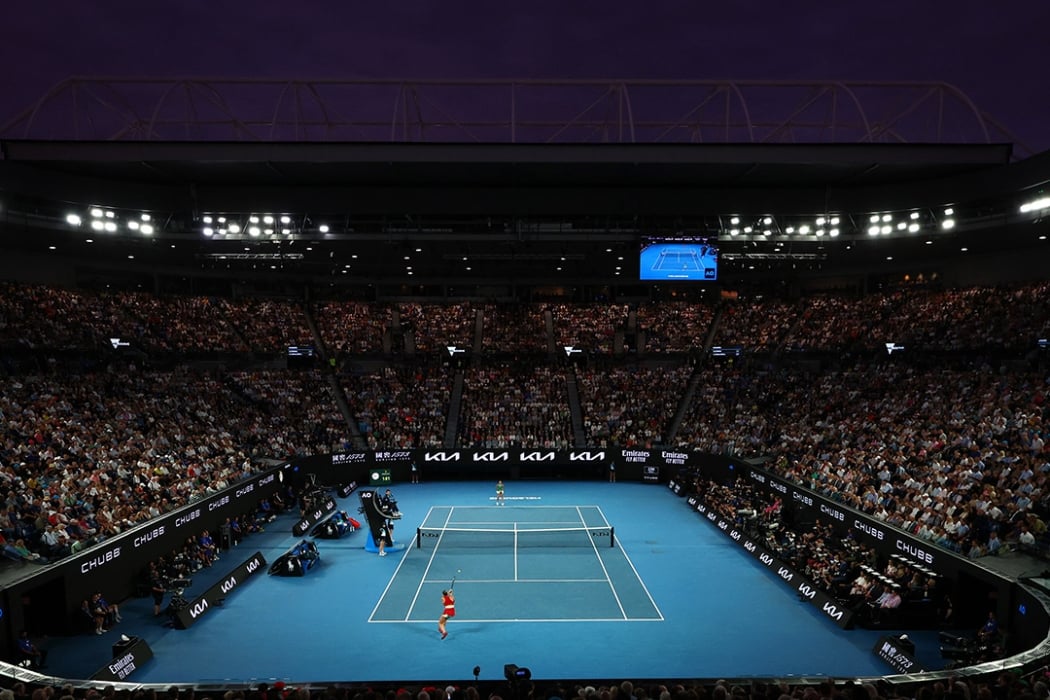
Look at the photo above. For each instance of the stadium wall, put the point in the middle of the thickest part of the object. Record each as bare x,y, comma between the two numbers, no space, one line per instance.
49,600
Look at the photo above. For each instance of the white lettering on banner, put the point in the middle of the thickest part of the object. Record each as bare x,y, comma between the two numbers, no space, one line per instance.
837,514
785,573
267,479
198,608
367,494
99,560
832,611
691,501
805,591
228,584
779,487
735,534
749,546
392,456
214,505
636,456
761,478
123,666
802,498
440,456
349,457
915,551
148,536
586,456
537,456
765,559
491,456
870,529
712,516
244,490
252,565
722,524
679,458
183,519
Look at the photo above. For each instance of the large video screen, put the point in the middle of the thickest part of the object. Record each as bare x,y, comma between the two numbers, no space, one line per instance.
677,258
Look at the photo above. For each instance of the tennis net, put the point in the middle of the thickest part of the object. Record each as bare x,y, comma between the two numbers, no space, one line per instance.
513,536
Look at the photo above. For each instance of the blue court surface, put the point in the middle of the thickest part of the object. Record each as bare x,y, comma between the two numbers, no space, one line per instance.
538,586
517,563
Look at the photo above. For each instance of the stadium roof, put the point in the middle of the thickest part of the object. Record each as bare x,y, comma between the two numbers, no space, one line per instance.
511,212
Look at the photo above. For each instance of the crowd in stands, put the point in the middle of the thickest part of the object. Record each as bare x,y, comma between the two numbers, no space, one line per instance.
88,453
514,328
674,326
505,404
998,685
885,593
954,455
400,406
629,405
86,456
437,326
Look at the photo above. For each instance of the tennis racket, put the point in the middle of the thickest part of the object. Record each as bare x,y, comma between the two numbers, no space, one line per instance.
453,582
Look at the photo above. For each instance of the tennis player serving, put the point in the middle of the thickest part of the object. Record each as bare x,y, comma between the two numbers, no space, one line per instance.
448,600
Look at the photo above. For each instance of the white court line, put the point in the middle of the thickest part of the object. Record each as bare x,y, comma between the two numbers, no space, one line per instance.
404,555
459,619
524,580
602,563
636,574
430,562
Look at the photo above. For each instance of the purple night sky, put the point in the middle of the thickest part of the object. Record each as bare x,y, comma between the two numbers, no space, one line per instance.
997,53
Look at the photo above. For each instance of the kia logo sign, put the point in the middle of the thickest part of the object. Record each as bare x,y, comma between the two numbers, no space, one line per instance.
440,456
586,456
537,456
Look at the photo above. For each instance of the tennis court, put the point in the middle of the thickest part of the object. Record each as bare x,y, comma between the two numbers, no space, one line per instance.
516,564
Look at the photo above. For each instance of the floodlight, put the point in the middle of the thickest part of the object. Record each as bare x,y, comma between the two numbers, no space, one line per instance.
820,232
886,229
834,221
133,225
767,221
286,231
111,215
833,232
207,219
96,212
887,217
915,215
285,219
820,221
734,232
268,219
146,217
803,229
734,220
73,219
111,226
208,231
254,230
949,211
235,227
323,228
789,229
873,230
97,225
901,225
147,229
748,229
948,224
253,219
874,218
912,228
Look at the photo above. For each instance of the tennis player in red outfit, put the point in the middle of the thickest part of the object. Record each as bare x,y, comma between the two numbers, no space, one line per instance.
448,599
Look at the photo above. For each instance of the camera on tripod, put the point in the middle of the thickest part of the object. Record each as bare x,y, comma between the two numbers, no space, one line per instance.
177,582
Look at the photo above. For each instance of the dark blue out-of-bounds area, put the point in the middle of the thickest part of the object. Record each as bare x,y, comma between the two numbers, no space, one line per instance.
674,598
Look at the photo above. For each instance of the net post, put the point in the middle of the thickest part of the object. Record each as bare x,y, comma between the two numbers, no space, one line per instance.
612,536
419,538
